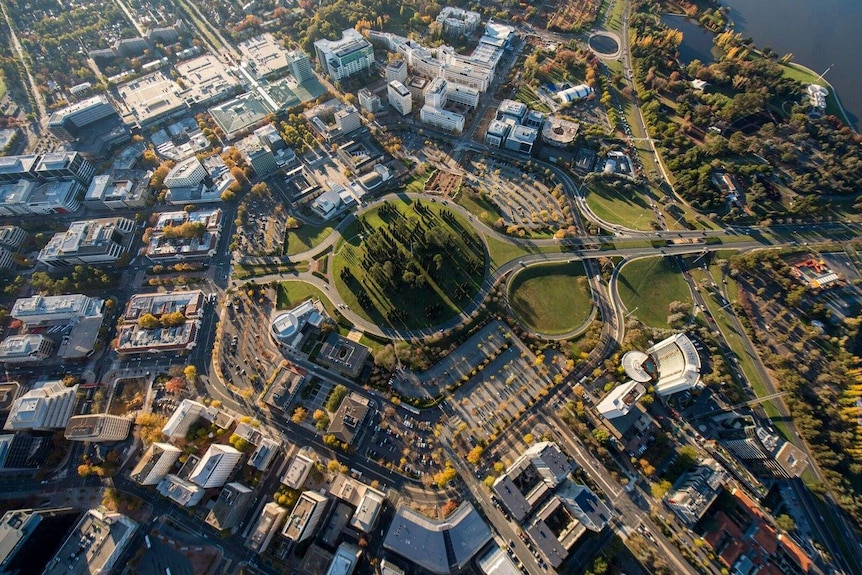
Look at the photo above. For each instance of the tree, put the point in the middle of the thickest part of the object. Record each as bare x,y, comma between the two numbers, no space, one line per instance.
339,392
528,439
228,196
191,374
441,478
148,321
175,385
172,319
299,415
660,489
785,522
260,189
292,223
475,455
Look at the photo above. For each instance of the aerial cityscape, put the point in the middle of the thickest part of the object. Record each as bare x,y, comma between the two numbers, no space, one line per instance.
374,287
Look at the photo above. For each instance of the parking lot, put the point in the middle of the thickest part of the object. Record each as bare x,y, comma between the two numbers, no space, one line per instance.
523,198
405,443
264,221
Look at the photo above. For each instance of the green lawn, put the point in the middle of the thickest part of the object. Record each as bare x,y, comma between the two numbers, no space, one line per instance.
304,238
650,285
551,299
502,251
487,212
293,293
2,87
403,286
615,207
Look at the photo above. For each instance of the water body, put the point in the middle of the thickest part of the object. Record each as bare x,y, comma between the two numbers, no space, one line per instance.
819,33
696,40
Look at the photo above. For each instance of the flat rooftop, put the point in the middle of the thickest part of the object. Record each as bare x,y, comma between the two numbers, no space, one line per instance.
265,54
94,545
206,79
150,98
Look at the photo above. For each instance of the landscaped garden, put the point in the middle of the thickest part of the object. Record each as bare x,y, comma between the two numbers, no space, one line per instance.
648,287
551,299
409,264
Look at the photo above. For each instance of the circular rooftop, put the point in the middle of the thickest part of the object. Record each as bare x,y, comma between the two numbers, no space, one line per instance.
633,362
285,325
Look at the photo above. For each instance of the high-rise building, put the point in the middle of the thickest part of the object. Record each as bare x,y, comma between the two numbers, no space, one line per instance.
342,58
215,466
347,119
230,507
300,66
157,461
305,517
65,165
368,100
47,407
188,172
100,241
259,156
67,122
400,97
396,70
266,527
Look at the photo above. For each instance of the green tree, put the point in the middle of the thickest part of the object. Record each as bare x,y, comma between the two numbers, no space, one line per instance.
660,489
785,522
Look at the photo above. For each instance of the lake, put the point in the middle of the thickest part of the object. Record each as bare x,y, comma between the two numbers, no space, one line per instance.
696,40
819,33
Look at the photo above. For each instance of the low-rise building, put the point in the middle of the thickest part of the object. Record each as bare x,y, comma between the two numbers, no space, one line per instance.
187,413
345,559
458,21
28,348
348,420
15,195
93,242
343,355
559,132
496,562
305,517
183,493
367,501
621,399
521,139
266,527
55,197
106,192
46,407
230,507
257,154
206,80
264,55
440,546
289,328
396,71
95,545
196,241
438,117
12,237
96,428
158,460
298,471
175,320
539,470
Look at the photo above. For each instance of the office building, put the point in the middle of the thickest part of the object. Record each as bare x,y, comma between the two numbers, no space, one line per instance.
30,537
289,328
46,407
105,192
206,80
368,100
230,507
440,546
14,168
257,154
298,471
300,66
449,121
94,242
65,165
497,562
521,139
396,71
348,421
266,527
347,119
400,97
55,197
182,492
163,247
345,559
460,94
216,465
15,195
264,55
158,460
367,501
68,122
342,58
186,414
621,399
95,545
305,517
188,172
435,94
56,310
11,237
150,99
458,21
695,491
538,471
497,132
98,428
29,348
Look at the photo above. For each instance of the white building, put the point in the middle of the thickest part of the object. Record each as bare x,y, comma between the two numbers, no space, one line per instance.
95,428
46,407
298,471
216,466
497,132
266,527
671,365
347,119
440,118
55,197
306,515
88,242
29,348
621,399
14,196
461,94
695,491
574,93
399,97
186,173
458,20
180,491
396,70
156,463
342,58
300,66
55,310
12,237
287,327
368,100
521,139
186,414
435,95
345,559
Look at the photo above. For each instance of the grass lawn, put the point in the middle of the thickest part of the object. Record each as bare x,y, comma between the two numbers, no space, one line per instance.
650,285
304,238
613,206
502,252
293,293
551,299
487,212
614,19
416,184
412,267
2,87
806,76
